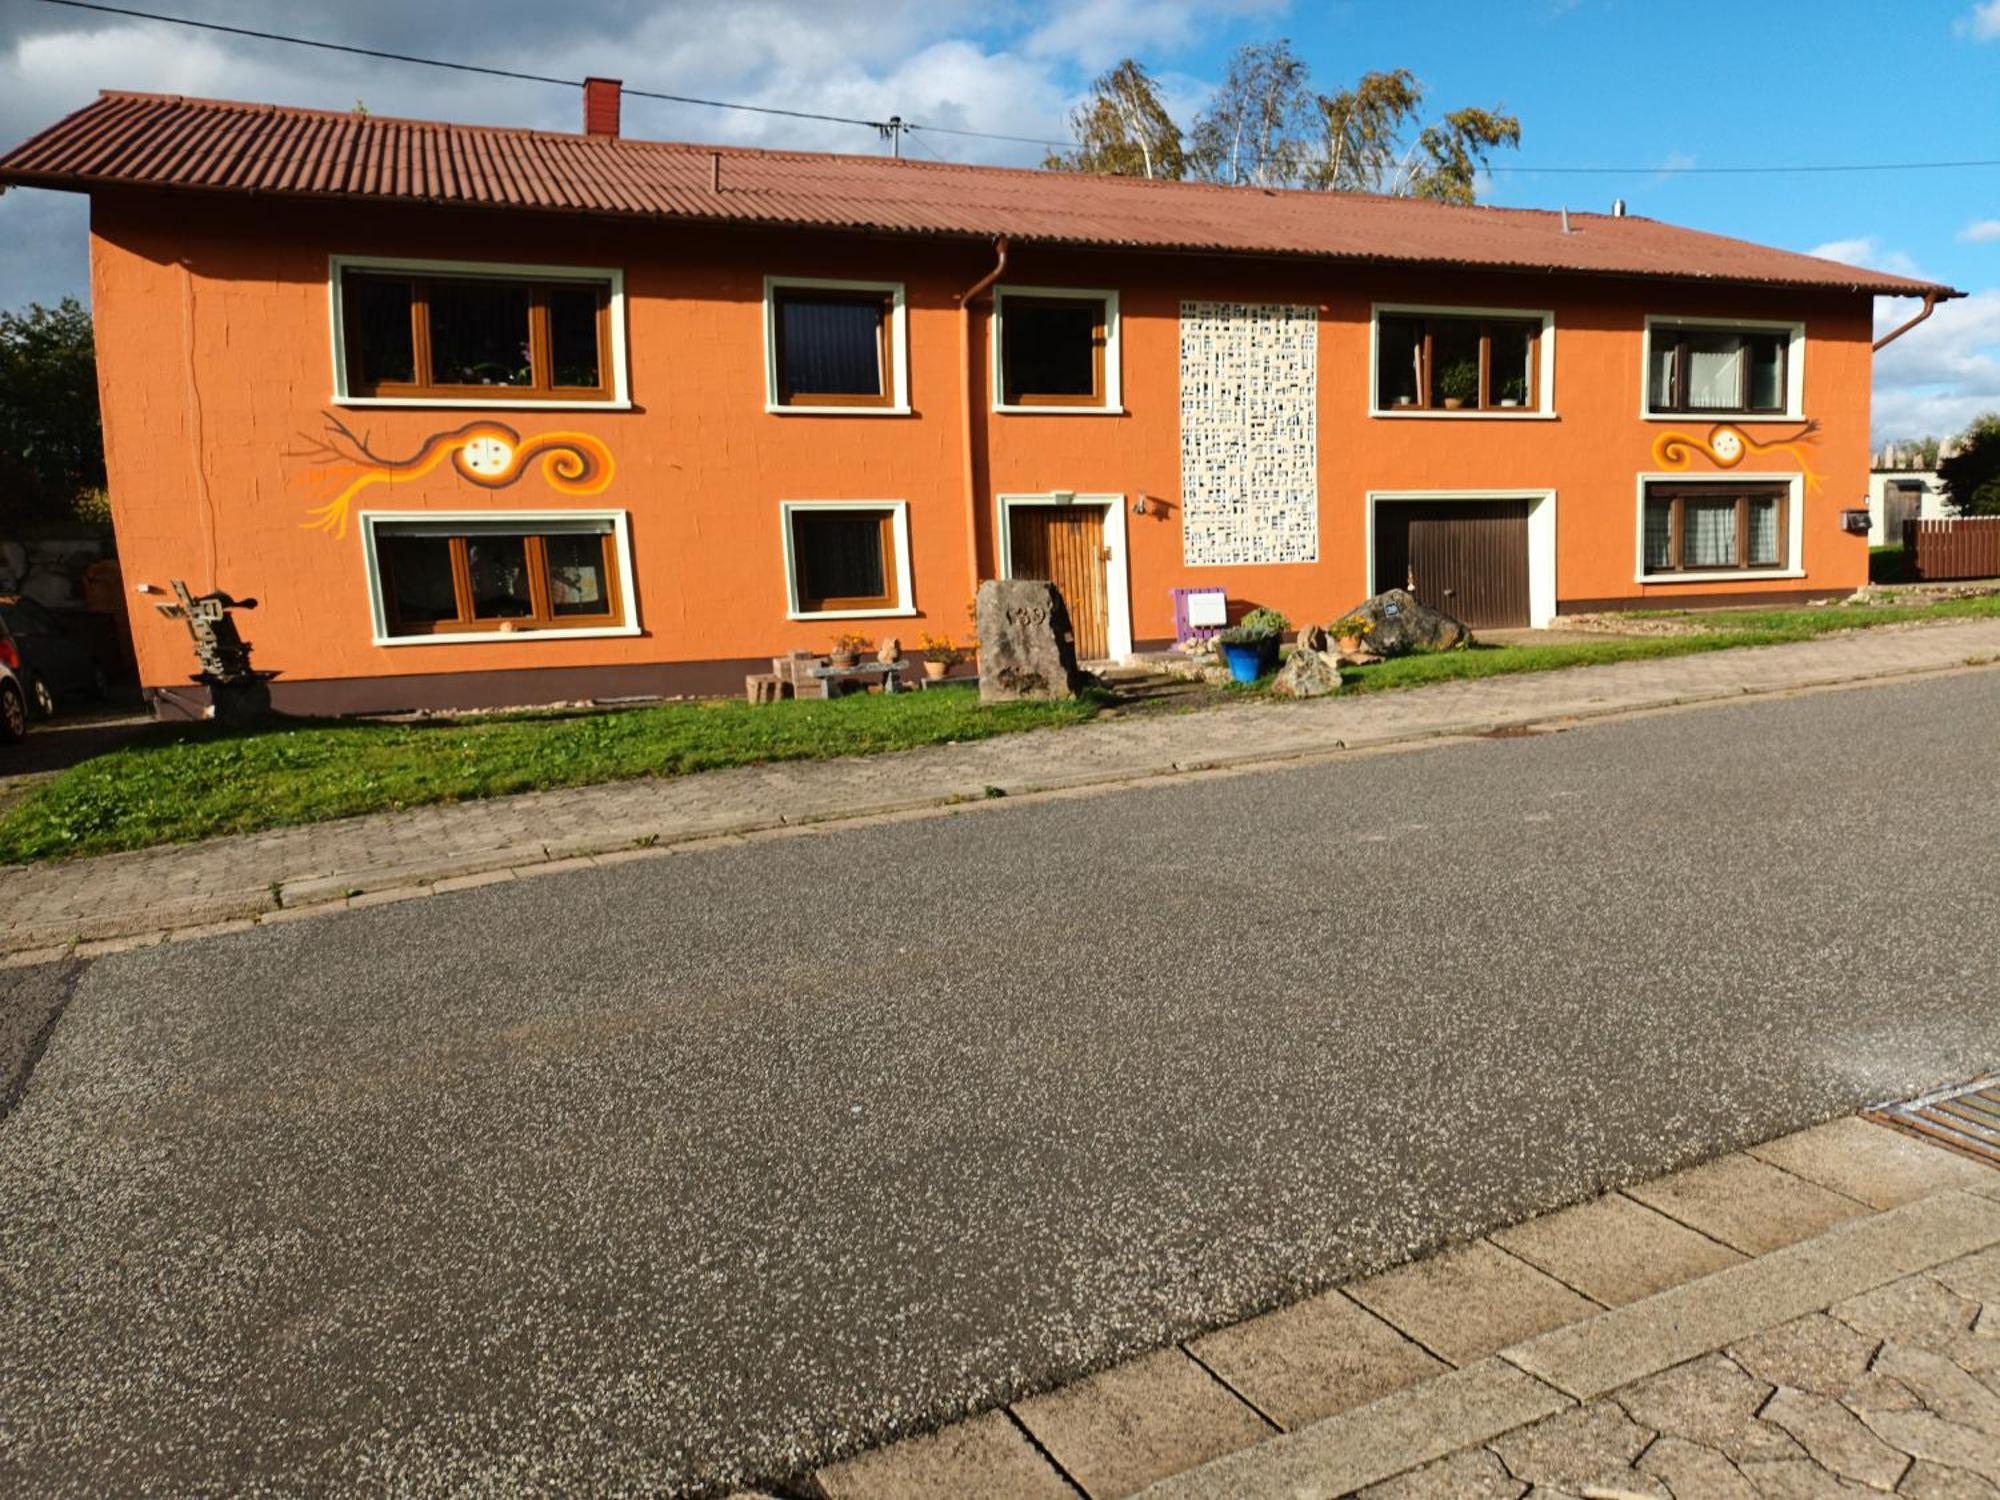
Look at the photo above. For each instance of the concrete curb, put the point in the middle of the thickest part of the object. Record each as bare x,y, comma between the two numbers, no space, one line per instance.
1195,1421
324,894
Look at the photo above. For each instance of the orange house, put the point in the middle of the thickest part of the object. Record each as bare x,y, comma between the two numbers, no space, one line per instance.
488,416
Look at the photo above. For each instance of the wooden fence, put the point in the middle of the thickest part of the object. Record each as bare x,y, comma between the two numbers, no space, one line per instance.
1967,547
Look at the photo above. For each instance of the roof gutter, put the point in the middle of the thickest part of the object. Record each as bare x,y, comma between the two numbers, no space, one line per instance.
1930,306
965,302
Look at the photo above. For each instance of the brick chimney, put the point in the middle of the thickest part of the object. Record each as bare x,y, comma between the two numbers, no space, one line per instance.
600,105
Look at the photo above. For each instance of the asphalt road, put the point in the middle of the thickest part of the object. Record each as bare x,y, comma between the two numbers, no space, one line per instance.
657,1176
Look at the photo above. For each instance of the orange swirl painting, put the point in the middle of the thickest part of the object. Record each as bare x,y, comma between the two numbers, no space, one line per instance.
491,455
1727,445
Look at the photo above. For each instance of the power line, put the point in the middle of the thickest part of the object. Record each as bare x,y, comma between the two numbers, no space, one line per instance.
890,127
1675,171
457,67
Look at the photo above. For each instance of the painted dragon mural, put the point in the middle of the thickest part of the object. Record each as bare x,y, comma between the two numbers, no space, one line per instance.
489,454
1727,445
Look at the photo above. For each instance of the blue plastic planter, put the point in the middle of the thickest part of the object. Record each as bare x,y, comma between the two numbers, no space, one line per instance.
1246,662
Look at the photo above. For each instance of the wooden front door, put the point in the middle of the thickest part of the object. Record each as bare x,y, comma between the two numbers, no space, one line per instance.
1065,545
1468,558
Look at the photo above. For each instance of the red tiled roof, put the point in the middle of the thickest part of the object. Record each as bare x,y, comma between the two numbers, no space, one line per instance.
152,140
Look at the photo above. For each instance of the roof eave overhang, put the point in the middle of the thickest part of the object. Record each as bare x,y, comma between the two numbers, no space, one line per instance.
75,183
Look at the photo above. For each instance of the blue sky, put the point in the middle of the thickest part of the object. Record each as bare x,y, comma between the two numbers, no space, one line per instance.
1654,87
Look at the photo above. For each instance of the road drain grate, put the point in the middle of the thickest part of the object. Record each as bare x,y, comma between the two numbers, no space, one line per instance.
1965,1118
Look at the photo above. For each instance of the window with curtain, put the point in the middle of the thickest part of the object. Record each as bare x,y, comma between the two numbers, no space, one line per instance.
439,577
516,338
833,347
1716,370
843,558
1713,527
1440,362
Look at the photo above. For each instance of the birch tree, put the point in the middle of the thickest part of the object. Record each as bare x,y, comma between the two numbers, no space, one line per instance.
1123,129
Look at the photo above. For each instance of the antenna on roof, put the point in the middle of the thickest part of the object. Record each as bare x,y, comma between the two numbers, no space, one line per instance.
715,171
1565,213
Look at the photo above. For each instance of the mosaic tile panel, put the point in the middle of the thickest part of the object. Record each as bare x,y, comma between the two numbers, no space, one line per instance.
1249,433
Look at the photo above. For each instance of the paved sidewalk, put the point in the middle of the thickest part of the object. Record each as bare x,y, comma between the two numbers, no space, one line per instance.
1816,1316
190,890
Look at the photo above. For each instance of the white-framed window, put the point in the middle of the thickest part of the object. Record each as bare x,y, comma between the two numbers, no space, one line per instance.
847,559
837,348
1439,361
441,577
1723,367
1055,350
1711,528
476,333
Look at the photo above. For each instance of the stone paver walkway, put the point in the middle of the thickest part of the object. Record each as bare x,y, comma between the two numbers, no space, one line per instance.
1816,1316
192,889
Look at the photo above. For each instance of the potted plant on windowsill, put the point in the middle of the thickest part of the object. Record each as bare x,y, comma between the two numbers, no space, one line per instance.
941,654
845,653
1250,647
1458,383
1514,391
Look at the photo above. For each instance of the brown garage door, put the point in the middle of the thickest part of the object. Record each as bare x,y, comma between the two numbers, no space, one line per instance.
1468,558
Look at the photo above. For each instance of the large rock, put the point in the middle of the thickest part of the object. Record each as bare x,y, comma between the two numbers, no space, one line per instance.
1026,646
1400,624
1313,668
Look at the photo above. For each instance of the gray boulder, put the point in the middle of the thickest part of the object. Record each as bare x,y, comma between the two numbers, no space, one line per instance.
1399,624
1312,670
1026,646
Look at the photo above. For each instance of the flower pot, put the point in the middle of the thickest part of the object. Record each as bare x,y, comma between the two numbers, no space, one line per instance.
935,669
843,663
1510,401
1247,662
1349,645
1453,403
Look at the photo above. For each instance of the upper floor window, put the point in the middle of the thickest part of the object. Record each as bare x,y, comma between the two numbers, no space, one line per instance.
1055,350
1471,362
468,335
1705,369
834,346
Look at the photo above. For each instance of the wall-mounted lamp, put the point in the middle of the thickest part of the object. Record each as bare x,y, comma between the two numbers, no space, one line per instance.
146,588
1139,505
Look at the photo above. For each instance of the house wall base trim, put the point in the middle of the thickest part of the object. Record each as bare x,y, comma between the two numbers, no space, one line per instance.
526,687
1668,598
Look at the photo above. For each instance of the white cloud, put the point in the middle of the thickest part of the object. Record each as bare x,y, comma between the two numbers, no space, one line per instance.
1980,232
1097,33
1981,23
1941,374
1013,69
1866,252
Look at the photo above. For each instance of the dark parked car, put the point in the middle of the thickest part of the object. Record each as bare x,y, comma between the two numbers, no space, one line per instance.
58,667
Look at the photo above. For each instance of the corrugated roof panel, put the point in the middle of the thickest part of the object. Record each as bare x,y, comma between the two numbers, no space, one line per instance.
164,141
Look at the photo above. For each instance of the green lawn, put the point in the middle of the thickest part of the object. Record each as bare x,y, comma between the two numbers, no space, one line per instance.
181,782
1720,630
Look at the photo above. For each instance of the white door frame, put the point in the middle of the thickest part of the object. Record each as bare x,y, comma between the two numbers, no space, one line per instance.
1541,540
1117,590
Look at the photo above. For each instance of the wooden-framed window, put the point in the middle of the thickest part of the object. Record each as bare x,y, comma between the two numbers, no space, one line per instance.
1429,362
1712,370
833,347
847,558
1715,527
1055,350
475,337
450,577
